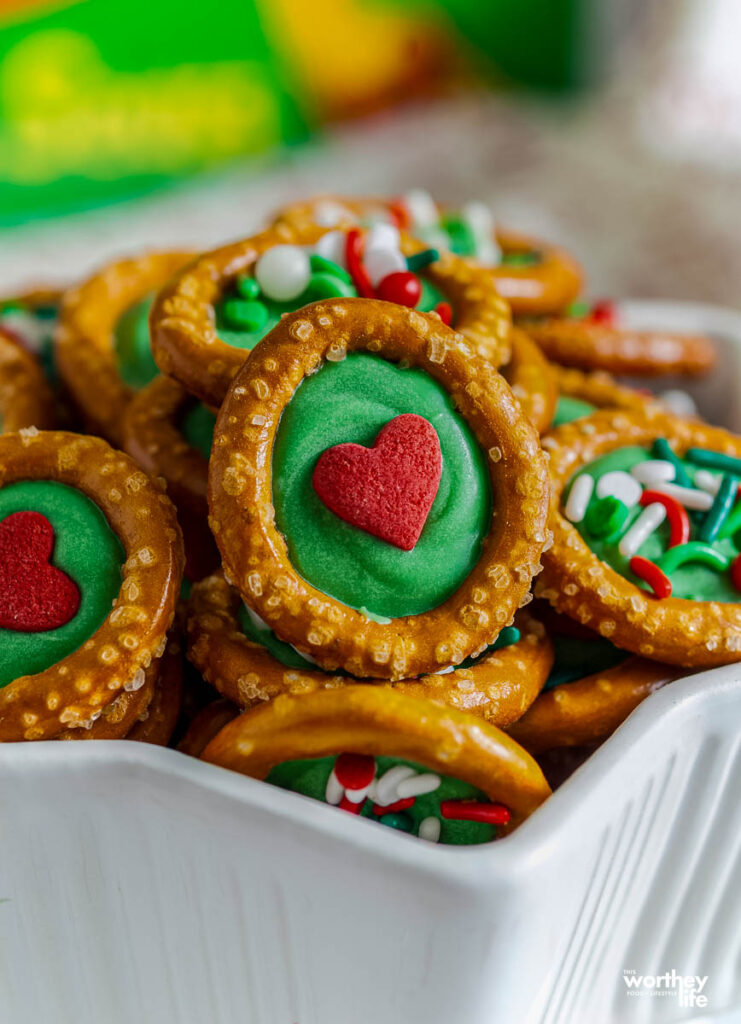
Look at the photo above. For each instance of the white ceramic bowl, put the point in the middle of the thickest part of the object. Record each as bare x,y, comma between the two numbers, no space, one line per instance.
139,885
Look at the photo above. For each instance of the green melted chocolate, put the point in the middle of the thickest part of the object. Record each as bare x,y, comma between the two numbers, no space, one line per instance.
87,550
351,401
309,778
692,581
131,339
570,409
197,427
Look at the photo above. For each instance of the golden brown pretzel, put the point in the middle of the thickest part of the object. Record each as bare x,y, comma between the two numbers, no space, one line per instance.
209,721
25,397
531,378
593,345
84,339
187,347
118,718
598,388
153,438
547,286
499,688
578,583
76,690
254,553
157,722
588,710
382,722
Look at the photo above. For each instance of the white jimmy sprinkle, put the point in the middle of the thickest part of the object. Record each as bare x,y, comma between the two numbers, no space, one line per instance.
335,790
647,522
357,796
421,207
418,785
679,402
481,223
654,471
429,829
707,481
619,484
386,786
579,495
699,501
332,246
382,236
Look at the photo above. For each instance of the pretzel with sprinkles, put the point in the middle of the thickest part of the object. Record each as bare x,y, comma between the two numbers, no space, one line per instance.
39,600
581,394
646,543
156,723
499,686
531,378
25,397
589,710
598,342
209,317
241,500
101,340
372,722
535,277
167,432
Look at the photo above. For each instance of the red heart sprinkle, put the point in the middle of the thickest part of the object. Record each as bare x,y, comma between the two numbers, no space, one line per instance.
386,490
34,595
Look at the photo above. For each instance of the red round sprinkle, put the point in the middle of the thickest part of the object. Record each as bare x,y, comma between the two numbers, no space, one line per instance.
676,514
34,595
355,771
736,572
650,573
400,805
445,311
472,810
354,247
402,287
604,312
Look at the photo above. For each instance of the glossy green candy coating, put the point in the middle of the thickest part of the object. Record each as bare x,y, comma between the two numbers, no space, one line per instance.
197,427
605,516
245,315
326,286
321,265
131,340
570,409
247,287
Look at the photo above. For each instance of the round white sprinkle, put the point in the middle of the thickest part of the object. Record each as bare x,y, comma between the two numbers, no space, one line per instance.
647,522
381,262
387,785
429,829
618,484
579,495
328,213
283,272
699,501
679,402
332,247
335,791
382,236
421,207
655,471
707,481
418,785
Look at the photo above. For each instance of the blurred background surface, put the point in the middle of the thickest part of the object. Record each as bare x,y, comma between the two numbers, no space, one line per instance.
613,126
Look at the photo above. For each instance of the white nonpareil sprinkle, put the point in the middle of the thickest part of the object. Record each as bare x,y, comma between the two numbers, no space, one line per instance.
679,402
283,272
619,484
699,501
418,785
421,208
654,471
386,786
332,246
335,790
429,829
382,236
647,522
578,500
379,263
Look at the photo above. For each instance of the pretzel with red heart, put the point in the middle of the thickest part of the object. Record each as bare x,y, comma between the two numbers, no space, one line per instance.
25,397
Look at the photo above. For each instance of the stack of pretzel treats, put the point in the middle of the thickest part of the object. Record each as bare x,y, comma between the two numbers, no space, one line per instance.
362,506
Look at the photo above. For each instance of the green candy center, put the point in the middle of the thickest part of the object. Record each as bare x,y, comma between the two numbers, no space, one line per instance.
309,778
351,401
131,340
87,550
693,580
197,427
570,409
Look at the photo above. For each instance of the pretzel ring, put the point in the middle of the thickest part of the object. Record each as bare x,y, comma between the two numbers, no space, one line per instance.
596,345
580,394
25,397
369,720
590,709
209,721
157,722
87,354
534,277
576,581
118,718
167,432
187,346
530,376
254,552
499,687
89,670
30,318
